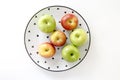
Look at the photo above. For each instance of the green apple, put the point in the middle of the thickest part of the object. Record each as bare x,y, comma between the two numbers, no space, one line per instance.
78,37
70,53
46,23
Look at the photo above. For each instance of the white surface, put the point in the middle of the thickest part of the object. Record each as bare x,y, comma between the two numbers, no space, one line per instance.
102,61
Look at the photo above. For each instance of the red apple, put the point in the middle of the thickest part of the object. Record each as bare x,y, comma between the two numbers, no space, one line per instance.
69,21
58,38
46,50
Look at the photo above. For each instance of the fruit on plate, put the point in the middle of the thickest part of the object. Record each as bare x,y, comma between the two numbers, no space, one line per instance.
69,21
70,53
46,23
58,38
46,50
78,37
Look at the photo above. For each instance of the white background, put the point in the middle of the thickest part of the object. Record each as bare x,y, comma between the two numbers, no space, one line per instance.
102,61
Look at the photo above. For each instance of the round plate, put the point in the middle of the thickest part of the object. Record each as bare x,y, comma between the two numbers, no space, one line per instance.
33,37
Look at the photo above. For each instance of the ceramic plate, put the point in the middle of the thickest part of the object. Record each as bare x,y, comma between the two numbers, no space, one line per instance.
34,37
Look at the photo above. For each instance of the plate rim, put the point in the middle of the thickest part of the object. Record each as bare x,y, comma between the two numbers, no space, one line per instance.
88,44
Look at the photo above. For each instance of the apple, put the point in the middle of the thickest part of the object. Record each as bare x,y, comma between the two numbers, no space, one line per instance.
69,21
78,37
46,50
70,53
58,38
46,23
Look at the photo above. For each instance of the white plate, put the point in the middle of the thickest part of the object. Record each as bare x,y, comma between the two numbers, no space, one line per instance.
33,37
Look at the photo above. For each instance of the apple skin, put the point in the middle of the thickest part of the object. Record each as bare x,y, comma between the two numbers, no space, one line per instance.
58,38
46,50
78,37
69,21
70,53
46,23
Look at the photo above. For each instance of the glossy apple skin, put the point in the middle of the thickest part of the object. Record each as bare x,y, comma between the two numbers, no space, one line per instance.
70,53
78,37
46,23
46,50
58,38
69,21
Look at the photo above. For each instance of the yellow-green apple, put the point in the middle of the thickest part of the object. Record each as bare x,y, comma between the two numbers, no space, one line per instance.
78,37
69,21
46,50
46,23
58,38
70,53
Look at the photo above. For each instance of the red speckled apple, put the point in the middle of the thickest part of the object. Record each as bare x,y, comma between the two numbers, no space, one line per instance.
46,50
58,38
69,21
